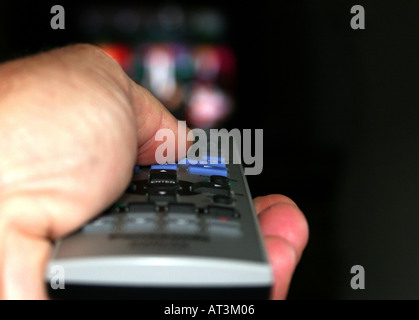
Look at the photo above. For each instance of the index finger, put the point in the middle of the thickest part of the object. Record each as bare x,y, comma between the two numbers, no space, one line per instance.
285,230
279,216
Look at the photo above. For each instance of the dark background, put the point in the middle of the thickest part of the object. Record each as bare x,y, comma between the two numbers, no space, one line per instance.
341,127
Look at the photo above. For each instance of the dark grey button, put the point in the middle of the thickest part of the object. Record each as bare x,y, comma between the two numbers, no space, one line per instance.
210,187
141,207
222,199
182,223
140,222
182,208
161,195
220,180
163,176
216,212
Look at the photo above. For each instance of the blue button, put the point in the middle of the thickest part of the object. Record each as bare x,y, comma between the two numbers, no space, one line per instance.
168,166
137,169
207,170
216,161
217,165
211,161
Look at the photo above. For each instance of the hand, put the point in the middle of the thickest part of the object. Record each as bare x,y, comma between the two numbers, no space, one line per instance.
285,230
72,126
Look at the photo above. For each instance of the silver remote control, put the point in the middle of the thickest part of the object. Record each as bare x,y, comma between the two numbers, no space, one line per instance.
180,231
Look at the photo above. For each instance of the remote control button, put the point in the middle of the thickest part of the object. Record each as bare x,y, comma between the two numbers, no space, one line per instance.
141,207
220,180
207,170
218,212
103,224
163,177
217,165
182,223
169,166
222,199
209,187
216,161
161,195
179,208
134,222
136,169
224,227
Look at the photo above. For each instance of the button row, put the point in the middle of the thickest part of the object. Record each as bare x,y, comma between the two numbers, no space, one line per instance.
163,183
181,218
174,208
180,208
211,166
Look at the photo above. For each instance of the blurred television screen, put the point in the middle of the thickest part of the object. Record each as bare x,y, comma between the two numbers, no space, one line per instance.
181,55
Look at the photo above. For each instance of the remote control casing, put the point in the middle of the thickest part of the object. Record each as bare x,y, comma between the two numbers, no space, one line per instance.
188,233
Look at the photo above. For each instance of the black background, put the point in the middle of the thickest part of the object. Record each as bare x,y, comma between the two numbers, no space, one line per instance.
339,112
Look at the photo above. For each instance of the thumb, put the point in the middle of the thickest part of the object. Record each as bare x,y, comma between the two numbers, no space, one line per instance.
152,116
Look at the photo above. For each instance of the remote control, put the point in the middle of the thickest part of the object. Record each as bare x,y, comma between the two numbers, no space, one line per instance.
184,230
